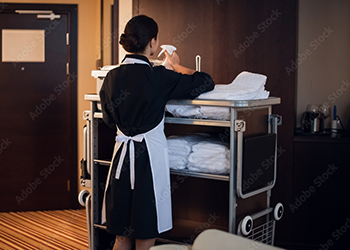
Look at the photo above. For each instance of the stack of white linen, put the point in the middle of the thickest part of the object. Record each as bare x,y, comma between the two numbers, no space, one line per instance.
246,86
215,113
199,112
199,153
179,150
184,111
209,157
180,147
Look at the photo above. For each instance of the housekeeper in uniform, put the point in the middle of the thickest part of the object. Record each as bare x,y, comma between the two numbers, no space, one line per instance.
137,199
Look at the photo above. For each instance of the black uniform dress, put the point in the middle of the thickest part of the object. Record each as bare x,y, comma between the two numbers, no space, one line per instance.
133,98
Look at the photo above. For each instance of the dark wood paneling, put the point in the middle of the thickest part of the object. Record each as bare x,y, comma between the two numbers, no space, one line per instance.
188,25
271,52
229,31
115,29
319,205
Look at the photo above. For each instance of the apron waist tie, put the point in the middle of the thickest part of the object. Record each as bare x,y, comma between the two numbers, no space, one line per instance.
122,138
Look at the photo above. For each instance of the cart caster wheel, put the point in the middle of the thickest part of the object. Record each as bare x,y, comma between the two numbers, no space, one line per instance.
82,197
278,211
247,225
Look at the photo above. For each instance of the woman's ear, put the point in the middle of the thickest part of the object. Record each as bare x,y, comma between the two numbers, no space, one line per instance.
153,42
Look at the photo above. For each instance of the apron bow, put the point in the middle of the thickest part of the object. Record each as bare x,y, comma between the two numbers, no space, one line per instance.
125,139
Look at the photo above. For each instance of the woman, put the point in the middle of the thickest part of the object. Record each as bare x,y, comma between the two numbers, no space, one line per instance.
137,202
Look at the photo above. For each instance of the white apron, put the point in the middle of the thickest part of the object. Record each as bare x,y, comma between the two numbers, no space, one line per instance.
157,148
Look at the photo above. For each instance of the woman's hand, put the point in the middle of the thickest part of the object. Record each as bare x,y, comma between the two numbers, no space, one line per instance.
173,62
173,59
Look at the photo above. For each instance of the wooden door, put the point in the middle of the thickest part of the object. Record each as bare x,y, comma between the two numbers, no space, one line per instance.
38,112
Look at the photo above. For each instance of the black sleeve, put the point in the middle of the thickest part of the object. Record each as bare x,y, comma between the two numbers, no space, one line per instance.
182,86
105,103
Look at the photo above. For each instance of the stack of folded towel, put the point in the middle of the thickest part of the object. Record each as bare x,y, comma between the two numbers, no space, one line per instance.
184,111
179,150
246,86
198,153
199,112
209,157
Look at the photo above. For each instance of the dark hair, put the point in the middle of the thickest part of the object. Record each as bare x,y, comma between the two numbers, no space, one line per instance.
138,32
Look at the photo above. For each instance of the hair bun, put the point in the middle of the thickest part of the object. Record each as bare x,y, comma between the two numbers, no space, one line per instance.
129,42
138,32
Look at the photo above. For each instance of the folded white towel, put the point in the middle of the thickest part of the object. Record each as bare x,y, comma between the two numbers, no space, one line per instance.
263,95
198,152
178,144
246,86
179,150
211,146
180,147
184,111
215,113
215,163
209,157
177,162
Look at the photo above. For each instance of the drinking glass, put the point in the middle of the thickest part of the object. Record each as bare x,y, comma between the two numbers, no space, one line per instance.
324,110
313,110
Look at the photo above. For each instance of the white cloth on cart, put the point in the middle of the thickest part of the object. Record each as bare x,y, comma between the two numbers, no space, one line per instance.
199,112
215,113
246,86
179,150
198,153
180,147
209,157
184,111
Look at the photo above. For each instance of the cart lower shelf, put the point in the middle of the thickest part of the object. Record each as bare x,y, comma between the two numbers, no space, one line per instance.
220,177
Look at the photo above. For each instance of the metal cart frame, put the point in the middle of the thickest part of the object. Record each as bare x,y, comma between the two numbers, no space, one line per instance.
236,127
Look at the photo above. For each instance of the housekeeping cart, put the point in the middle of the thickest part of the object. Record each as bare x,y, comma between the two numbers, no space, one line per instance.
238,202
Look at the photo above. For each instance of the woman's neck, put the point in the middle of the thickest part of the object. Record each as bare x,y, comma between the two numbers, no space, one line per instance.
146,53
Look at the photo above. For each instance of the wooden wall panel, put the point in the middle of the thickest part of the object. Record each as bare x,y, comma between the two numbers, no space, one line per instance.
275,24
188,25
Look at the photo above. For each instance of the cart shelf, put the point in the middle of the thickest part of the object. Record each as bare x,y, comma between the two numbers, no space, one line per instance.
220,177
